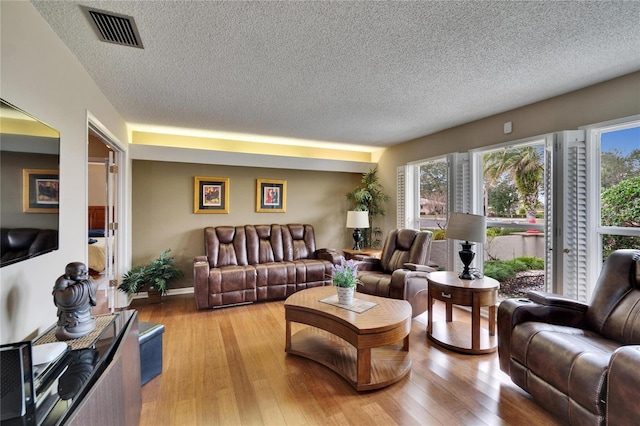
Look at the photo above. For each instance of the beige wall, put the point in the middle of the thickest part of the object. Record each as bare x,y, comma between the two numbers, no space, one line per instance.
40,76
162,194
606,101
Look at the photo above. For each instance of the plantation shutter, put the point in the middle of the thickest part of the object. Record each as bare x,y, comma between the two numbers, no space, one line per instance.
459,199
401,196
569,237
549,229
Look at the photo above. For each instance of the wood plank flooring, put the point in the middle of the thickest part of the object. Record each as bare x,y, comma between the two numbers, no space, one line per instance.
228,367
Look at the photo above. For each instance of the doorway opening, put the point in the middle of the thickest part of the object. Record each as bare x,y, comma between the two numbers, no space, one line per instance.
103,213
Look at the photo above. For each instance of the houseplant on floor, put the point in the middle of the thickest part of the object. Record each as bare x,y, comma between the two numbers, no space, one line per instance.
154,277
345,278
370,196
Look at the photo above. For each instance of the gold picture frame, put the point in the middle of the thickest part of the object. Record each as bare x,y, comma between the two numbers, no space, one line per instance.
271,196
210,195
40,191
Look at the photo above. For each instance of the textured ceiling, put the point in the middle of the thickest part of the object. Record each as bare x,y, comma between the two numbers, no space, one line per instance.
365,73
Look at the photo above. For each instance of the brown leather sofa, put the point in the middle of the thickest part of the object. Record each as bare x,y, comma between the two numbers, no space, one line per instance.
401,271
579,361
258,262
23,243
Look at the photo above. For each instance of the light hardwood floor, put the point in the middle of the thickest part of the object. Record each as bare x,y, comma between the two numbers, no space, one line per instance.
228,367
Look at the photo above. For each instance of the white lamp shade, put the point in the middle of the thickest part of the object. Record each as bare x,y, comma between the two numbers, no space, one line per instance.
467,227
358,219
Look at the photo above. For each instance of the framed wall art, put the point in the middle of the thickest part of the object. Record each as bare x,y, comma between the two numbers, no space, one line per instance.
40,191
271,196
211,195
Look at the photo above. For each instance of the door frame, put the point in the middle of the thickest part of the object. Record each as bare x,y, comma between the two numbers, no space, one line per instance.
121,248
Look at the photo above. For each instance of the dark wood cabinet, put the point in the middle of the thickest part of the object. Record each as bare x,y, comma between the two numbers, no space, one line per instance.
116,395
94,385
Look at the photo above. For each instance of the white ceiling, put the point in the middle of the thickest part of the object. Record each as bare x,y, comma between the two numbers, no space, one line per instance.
364,73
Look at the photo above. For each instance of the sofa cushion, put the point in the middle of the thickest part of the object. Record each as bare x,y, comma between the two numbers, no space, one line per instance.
298,241
312,272
264,244
232,284
275,273
614,310
225,245
374,283
405,246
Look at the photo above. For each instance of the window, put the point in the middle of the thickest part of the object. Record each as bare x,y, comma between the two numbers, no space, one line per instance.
512,181
587,203
616,150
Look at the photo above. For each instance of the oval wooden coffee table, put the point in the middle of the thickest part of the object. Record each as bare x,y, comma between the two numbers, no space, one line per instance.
369,349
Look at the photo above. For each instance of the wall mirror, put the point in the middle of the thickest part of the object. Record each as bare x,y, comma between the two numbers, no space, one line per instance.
29,185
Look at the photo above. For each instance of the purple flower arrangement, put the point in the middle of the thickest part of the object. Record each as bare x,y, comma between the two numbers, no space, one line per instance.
345,274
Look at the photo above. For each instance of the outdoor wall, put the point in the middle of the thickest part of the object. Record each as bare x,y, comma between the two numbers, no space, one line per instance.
163,217
610,100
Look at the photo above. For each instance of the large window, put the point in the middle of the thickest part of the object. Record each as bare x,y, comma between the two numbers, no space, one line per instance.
565,200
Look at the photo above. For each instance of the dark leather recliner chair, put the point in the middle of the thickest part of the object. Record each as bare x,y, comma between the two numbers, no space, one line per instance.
23,243
579,361
401,271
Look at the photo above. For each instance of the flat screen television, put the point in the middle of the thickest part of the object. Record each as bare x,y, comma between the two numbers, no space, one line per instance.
29,185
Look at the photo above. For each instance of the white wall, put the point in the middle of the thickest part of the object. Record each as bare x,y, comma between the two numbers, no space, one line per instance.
40,75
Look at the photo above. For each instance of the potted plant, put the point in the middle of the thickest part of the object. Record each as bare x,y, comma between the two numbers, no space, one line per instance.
370,196
345,278
154,277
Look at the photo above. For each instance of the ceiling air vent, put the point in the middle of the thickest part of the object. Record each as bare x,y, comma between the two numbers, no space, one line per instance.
113,27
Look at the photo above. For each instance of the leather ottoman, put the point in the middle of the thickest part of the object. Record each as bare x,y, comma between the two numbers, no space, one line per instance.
150,338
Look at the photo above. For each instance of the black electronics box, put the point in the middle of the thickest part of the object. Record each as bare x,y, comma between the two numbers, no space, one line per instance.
16,376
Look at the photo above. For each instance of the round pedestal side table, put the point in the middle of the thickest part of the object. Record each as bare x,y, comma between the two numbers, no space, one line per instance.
459,336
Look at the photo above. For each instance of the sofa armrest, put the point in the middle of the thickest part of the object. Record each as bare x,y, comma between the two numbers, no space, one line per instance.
201,281
623,386
551,299
512,312
418,267
410,286
328,254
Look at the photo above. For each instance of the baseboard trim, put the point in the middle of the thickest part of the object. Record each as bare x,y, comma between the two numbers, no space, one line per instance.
170,292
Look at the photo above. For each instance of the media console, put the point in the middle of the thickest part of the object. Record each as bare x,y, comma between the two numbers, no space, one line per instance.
96,384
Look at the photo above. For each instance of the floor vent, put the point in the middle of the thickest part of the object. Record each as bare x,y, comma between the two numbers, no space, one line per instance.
113,28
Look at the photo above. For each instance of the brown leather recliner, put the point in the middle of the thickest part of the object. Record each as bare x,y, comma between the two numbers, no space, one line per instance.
401,271
580,361
251,263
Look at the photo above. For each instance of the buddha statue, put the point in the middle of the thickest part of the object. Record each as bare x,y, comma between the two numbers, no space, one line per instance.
74,293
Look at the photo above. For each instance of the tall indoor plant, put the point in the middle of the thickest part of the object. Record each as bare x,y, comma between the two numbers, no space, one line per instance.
154,277
370,196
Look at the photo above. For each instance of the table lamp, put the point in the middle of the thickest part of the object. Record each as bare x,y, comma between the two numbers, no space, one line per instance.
466,227
357,220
